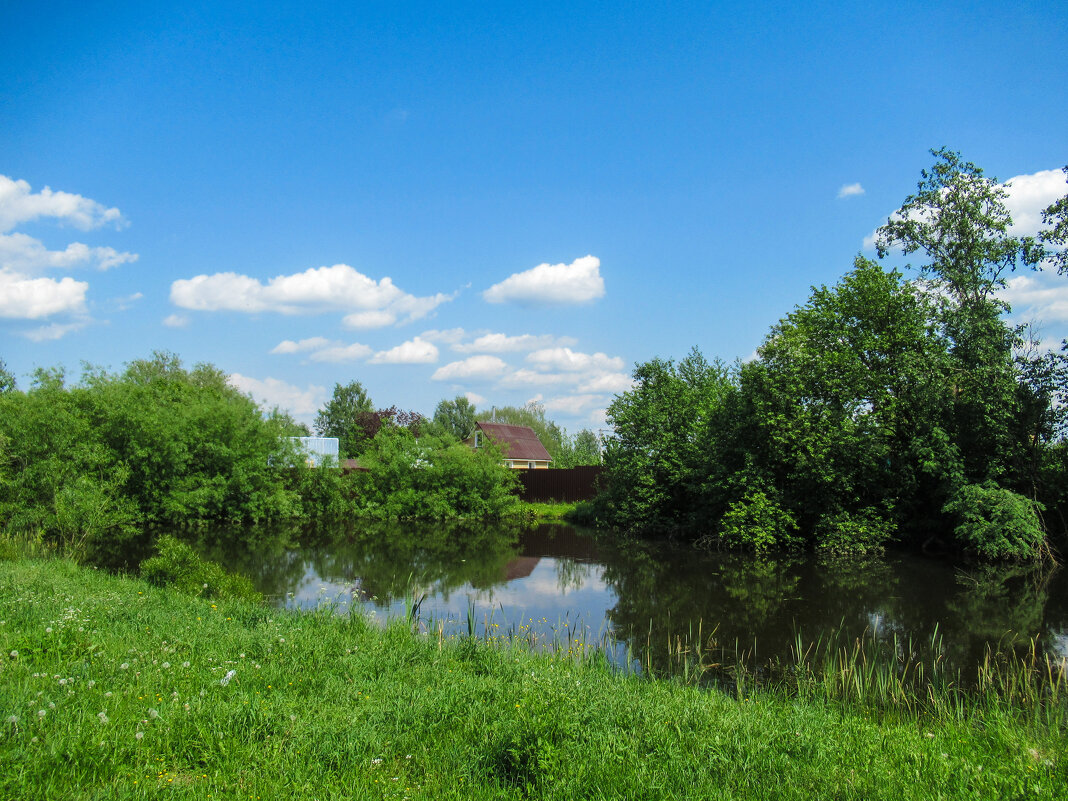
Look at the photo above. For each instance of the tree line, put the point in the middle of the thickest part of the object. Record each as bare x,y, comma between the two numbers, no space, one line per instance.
92,464
351,416
883,410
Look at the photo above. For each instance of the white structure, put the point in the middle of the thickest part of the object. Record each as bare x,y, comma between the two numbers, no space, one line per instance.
316,449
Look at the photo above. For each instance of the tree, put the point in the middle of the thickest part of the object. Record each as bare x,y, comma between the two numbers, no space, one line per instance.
7,380
456,416
657,461
1056,217
958,219
340,418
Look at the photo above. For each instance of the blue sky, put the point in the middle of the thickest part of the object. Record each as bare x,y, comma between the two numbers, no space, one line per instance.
514,201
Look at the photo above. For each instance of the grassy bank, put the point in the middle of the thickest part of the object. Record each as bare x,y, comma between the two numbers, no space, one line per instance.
112,688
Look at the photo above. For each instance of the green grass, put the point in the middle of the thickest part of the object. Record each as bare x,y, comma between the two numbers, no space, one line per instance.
553,510
131,679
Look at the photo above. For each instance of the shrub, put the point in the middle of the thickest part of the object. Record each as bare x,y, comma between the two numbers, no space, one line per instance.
996,523
178,566
757,521
854,532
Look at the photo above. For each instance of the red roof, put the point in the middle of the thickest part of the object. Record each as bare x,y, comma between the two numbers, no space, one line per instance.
516,442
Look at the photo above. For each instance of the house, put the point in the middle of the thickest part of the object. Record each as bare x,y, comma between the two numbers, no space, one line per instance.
520,447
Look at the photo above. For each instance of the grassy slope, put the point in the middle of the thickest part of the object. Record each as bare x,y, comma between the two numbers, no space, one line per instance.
321,707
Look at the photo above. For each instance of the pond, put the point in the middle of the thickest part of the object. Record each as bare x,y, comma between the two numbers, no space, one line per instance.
636,601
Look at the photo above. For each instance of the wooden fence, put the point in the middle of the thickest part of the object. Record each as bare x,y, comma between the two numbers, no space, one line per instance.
568,485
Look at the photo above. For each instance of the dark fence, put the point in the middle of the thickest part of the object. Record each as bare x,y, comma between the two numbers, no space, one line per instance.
570,485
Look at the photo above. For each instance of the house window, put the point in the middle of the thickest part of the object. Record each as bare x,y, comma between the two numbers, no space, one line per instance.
509,464
478,438
530,465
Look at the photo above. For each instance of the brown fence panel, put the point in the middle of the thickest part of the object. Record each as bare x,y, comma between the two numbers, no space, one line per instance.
569,485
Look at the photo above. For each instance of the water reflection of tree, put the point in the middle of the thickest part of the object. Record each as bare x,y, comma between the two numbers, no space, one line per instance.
384,560
761,606
571,574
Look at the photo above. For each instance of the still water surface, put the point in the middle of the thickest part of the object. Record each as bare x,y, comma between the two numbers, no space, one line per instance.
632,598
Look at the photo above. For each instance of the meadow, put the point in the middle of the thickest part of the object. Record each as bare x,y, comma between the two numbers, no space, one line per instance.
111,687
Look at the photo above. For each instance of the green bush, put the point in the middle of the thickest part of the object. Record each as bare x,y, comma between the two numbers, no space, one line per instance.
178,566
758,522
996,523
865,531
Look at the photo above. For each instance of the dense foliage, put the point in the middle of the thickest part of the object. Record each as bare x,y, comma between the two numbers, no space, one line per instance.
157,444
882,410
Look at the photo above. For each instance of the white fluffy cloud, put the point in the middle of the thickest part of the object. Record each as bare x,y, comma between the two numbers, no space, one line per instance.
176,321
342,353
1030,195
473,367
612,383
54,331
573,361
22,253
274,392
25,293
1040,296
850,190
572,404
18,204
450,336
532,378
551,284
415,351
475,398
370,303
312,343
25,298
502,343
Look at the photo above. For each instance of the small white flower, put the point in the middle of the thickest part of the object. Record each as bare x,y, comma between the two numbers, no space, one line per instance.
185,664
90,684
226,679
376,761
48,630
107,694
186,707
14,654
139,735
165,665
291,717
41,713
152,713
33,739
51,704
12,718
124,666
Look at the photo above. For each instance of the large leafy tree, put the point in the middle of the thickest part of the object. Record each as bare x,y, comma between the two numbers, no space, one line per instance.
657,459
342,415
841,415
456,416
959,223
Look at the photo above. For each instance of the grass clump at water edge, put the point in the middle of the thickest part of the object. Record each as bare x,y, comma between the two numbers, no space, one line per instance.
113,687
